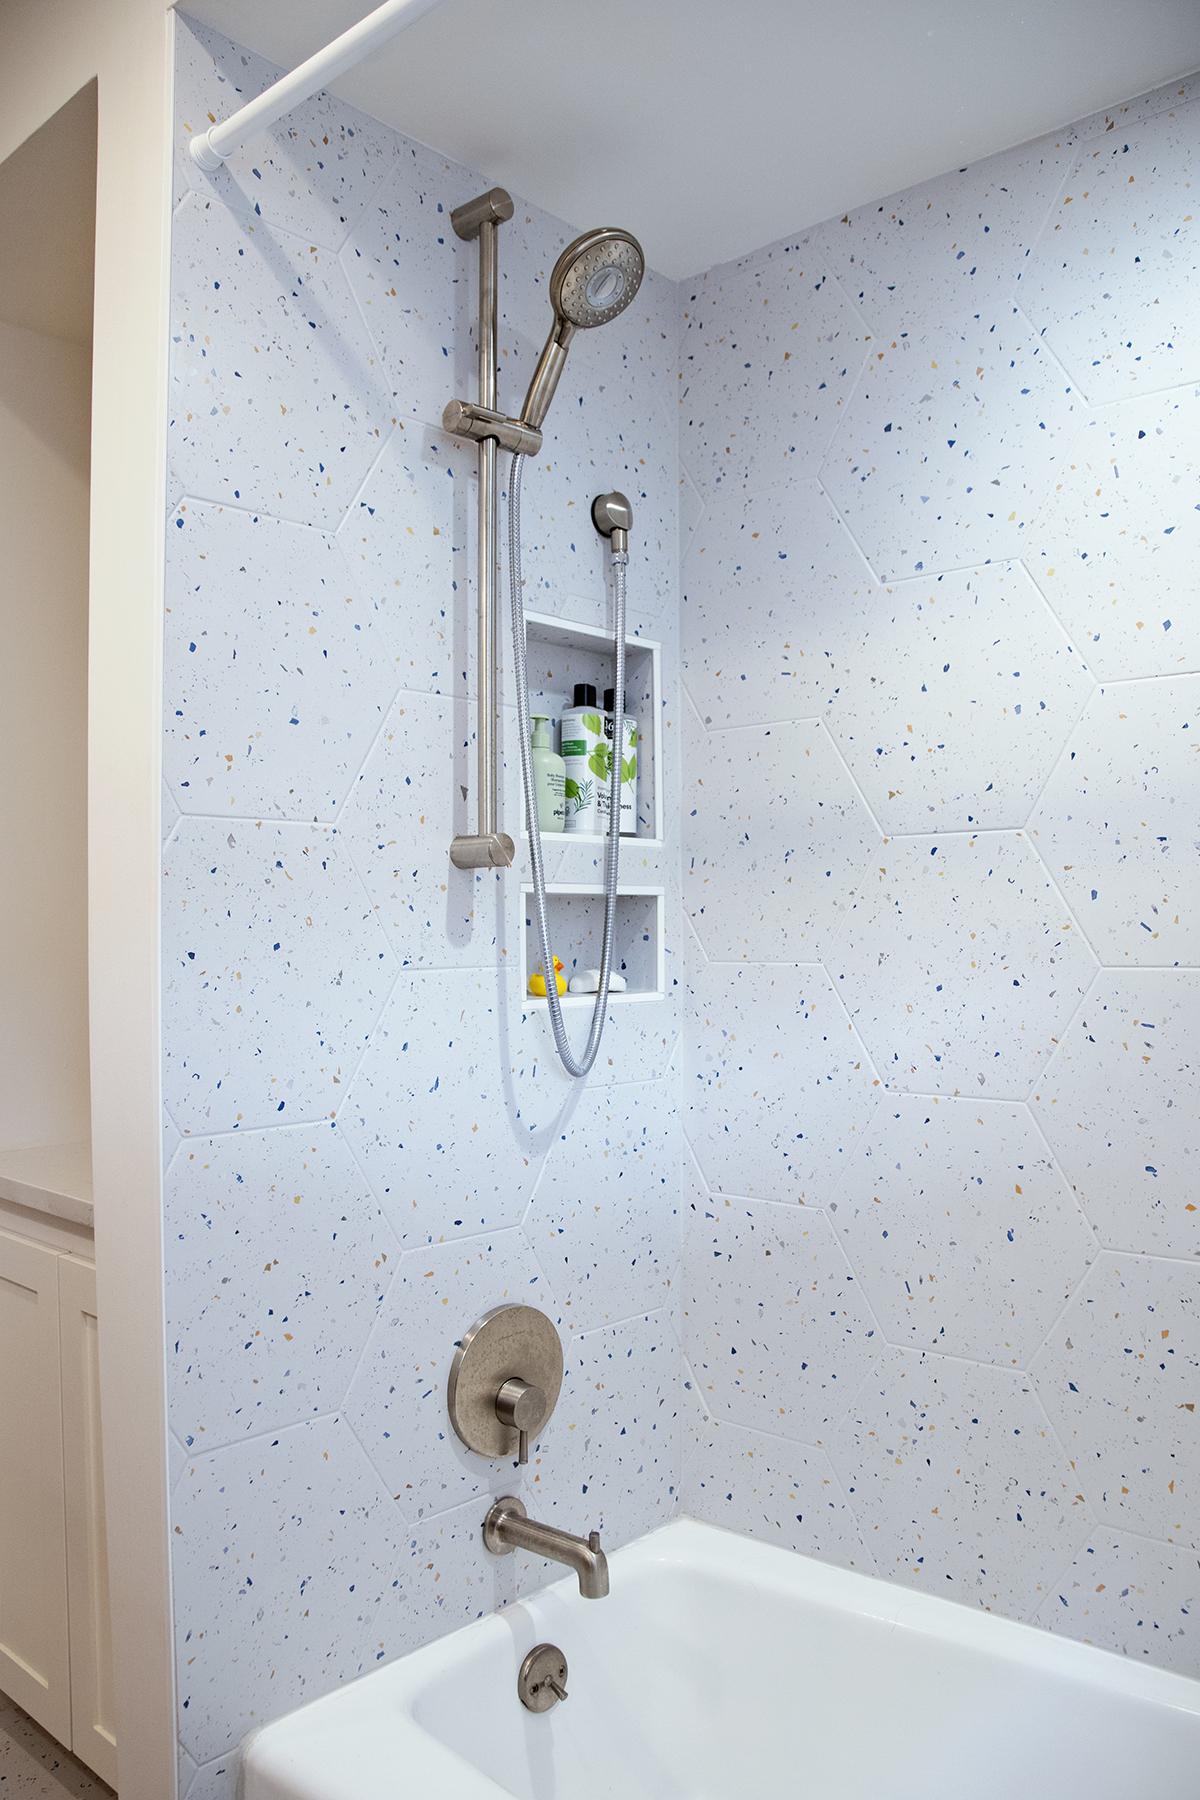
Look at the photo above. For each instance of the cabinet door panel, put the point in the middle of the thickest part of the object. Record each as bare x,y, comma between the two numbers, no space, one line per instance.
34,1660
92,1734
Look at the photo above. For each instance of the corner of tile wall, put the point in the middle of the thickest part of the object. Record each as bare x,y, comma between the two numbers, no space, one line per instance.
940,655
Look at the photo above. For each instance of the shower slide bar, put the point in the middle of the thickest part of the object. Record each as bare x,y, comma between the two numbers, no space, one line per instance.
213,147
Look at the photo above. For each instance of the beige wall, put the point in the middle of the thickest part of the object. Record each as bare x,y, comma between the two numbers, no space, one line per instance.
49,50
44,406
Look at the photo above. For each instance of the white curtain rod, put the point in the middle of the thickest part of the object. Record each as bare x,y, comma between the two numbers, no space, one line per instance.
211,148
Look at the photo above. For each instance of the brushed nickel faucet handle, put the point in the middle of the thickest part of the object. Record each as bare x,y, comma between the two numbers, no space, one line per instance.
505,1377
522,1406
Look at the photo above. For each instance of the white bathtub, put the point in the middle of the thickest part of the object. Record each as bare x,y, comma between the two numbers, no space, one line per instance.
721,1669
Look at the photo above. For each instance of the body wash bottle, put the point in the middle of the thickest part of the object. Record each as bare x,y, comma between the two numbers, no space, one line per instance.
549,778
585,753
628,823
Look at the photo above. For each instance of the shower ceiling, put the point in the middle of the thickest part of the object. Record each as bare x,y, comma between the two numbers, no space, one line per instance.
711,127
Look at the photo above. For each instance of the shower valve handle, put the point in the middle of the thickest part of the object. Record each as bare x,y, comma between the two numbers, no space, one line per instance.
521,1404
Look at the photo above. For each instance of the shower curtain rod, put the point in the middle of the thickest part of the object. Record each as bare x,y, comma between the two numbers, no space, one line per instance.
212,147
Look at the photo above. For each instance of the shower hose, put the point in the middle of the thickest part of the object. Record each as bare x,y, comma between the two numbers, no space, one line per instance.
576,1066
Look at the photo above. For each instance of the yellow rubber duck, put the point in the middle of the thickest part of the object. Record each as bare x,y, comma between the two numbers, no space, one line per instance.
537,981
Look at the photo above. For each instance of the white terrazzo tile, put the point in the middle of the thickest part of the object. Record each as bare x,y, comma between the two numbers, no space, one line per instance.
610,1458
769,354
311,172
278,399
413,277
603,1220
783,839
960,241
397,1401
1115,549
949,444
1126,1594
284,1548
1117,822
415,792
960,1228
957,1482
959,965
776,1329
785,1494
1118,1376
217,1780
277,1262
773,591
956,699
277,675
1113,278
275,971
778,1087
442,1165
409,538
1117,1102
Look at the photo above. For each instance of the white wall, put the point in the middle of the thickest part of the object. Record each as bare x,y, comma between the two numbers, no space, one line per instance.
45,396
49,51
940,637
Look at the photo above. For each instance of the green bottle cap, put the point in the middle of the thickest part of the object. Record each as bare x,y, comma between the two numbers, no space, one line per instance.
539,737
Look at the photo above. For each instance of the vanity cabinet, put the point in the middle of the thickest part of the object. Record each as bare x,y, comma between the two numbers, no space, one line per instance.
55,1653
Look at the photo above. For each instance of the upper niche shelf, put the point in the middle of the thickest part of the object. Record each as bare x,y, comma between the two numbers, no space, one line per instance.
565,651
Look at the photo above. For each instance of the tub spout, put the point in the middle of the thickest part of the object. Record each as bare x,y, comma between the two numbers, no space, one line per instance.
508,1527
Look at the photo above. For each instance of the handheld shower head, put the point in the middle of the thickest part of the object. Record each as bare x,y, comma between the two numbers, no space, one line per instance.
593,280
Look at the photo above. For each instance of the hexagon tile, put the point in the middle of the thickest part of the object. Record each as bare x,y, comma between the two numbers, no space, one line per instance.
774,590
1126,1594
769,353
961,1229
1120,1378
949,444
277,1261
1117,822
275,970
776,1328
278,399
277,675
955,700
787,1494
397,1400
1117,1102
603,1220
959,964
1112,281
409,539
413,793
957,1482
289,1551
443,1166
779,1088
1115,551
789,837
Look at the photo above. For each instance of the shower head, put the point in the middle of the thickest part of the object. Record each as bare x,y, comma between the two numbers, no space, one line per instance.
593,280
596,277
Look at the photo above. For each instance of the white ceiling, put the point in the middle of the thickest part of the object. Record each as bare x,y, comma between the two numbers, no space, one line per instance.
711,127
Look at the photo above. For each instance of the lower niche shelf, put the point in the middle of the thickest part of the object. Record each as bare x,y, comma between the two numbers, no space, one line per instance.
576,918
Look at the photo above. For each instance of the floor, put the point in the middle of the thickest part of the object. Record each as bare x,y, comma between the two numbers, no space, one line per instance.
34,1767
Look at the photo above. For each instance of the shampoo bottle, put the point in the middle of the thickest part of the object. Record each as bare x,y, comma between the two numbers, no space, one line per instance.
549,778
585,756
629,761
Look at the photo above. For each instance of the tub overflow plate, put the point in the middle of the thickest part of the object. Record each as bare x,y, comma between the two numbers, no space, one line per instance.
542,1682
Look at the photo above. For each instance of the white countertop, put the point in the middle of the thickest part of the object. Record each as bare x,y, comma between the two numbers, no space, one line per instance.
50,1178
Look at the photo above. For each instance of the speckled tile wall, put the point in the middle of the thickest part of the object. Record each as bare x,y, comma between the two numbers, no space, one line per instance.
932,902
368,1140
941,864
